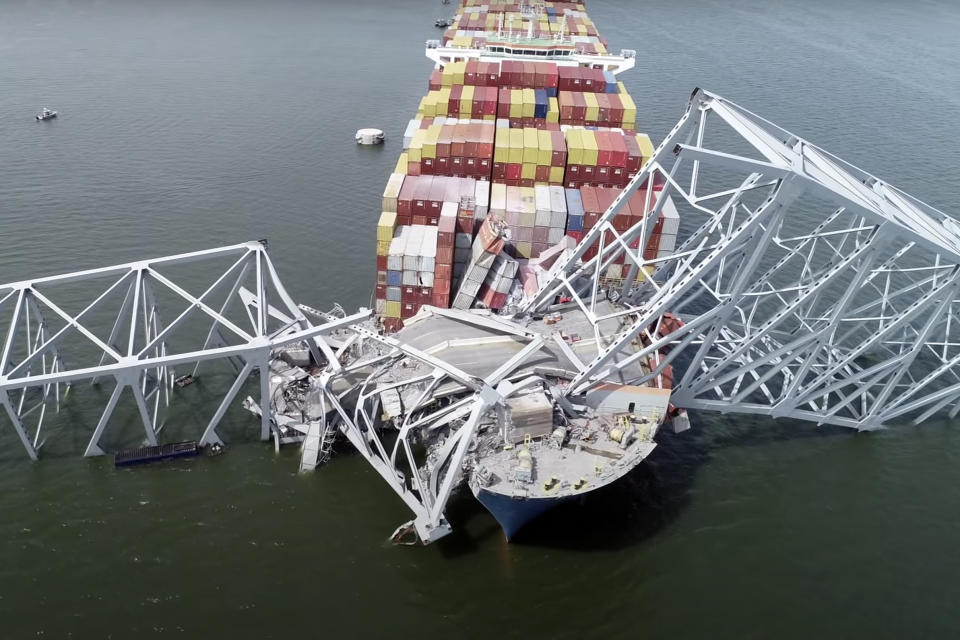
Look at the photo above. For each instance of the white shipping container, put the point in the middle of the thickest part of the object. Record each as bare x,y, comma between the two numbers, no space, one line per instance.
558,219
469,287
449,209
479,213
671,217
555,235
558,199
428,264
428,246
668,242
615,271
503,285
477,273
410,278
392,191
498,199
463,301
412,126
426,278
380,306
542,218
399,243
481,194
394,263
542,198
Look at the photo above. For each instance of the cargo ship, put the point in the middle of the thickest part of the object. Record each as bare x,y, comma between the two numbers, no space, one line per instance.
522,141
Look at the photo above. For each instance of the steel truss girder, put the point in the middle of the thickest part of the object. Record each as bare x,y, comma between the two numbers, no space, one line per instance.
811,289
141,351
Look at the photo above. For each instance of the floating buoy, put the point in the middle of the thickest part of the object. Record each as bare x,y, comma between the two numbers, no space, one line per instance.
369,136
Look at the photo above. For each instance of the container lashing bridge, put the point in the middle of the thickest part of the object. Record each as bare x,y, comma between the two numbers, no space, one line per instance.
808,289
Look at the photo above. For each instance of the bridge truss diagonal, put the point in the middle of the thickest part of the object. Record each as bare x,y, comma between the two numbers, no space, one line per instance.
809,288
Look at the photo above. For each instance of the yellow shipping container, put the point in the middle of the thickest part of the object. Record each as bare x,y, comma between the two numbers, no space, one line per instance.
460,68
593,107
646,145
530,147
529,103
574,139
556,175
553,110
515,155
393,309
501,145
528,171
590,149
490,116
428,106
385,227
430,141
545,144
415,152
442,100
629,112
402,164
516,103
383,247
621,88
466,101
523,249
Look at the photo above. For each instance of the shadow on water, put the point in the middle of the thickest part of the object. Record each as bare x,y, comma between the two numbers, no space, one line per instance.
645,501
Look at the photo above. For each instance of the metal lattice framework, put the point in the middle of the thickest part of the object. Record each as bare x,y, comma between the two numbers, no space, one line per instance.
106,325
810,288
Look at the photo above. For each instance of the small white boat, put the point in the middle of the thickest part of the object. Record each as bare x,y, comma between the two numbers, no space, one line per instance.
46,114
369,136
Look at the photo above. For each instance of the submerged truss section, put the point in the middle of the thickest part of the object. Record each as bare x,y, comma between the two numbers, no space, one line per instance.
132,325
810,289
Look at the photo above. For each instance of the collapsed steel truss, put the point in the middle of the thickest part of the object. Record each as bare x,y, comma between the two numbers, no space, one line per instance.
118,333
810,288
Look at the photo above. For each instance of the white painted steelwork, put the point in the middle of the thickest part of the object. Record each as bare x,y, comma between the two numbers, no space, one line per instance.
810,288
54,332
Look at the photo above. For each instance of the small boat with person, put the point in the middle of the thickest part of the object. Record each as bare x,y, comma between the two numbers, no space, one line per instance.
46,114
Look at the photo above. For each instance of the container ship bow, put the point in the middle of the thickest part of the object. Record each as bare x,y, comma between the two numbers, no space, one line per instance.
523,140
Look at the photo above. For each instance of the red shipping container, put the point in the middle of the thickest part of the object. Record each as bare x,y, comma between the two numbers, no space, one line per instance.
514,171
381,263
453,104
588,173
603,175
529,74
464,225
618,150
604,110
499,171
442,166
616,109
426,167
573,172
603,147
413,168
381,292
634,158
470,74
542,173
408,310
579,107
503,104
576,235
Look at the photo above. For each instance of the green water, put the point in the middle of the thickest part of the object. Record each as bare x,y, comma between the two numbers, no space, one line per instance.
189,125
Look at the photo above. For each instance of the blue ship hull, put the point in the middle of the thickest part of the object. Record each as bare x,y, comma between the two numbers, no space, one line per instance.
514,513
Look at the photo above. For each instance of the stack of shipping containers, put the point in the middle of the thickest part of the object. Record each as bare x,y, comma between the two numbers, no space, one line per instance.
504,158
